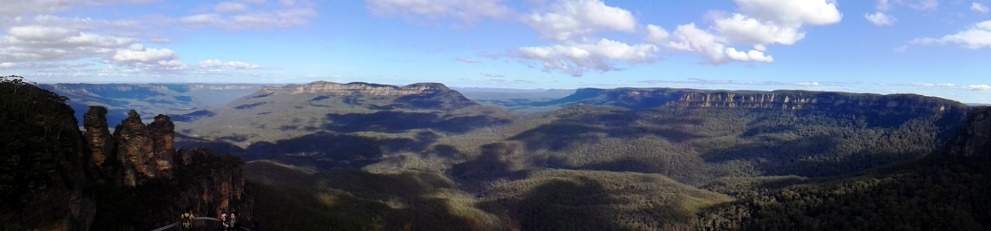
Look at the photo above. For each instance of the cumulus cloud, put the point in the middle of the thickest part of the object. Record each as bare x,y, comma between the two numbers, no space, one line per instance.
979,8
52,43
577,58
466,11
688,37
219,65
568,19
880,19
657,34
151,58
758,24
750,30
792,13
254,14
975,37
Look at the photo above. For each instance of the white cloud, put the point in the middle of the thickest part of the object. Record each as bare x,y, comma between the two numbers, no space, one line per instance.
150,58
753,55
979,8
577,58
657,34
979,87
749,30
50,43
240,15
13,10
688,37
976,37
139,54
230,7
568,19
219,65
880,19
922,4
7,65
466,11
758,23
792,13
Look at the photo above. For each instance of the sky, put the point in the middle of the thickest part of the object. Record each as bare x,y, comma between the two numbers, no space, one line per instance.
931,47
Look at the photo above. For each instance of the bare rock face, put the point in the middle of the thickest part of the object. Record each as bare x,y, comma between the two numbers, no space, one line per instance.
99,141
975,139
134,144
162,132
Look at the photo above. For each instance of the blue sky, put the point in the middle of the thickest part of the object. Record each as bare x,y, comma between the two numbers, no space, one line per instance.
931,47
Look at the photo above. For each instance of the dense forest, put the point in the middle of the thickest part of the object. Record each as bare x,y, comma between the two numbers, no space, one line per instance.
624,159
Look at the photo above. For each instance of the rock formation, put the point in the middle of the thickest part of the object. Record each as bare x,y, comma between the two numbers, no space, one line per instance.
782,100
134,144
163,140
52,177
975,139
102,157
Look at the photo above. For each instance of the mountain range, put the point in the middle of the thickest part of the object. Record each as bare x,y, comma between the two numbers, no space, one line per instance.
362,156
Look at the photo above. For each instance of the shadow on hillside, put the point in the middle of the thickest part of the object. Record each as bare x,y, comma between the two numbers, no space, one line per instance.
397,121
361,201
560,135
495,162
578,204
322,150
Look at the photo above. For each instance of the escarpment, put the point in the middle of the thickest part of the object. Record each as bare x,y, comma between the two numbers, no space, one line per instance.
373,96
55,177
975,139
782,100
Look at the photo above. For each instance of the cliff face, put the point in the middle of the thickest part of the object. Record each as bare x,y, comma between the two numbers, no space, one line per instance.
376,96
975,139
52,177
133,144
337,89
783,100
42,178
99,142
162,132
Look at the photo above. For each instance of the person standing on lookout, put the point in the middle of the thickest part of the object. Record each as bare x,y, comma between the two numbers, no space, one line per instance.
223,220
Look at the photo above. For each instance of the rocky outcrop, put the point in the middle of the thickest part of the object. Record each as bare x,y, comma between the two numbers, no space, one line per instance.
134,143
42,178
221,184
368,89
162,132
53,177
774,100
373,96
975,139
102,157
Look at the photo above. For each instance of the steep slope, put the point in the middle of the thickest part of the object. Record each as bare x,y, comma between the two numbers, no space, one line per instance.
695,136
56,178
946,191
42,178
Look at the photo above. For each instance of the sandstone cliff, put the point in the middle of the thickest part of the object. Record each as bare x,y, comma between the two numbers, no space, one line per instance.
100,143
975,139
781,100
53,177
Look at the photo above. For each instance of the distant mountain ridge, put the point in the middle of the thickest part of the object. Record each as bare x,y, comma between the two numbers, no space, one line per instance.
779,99
414,96
149,99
